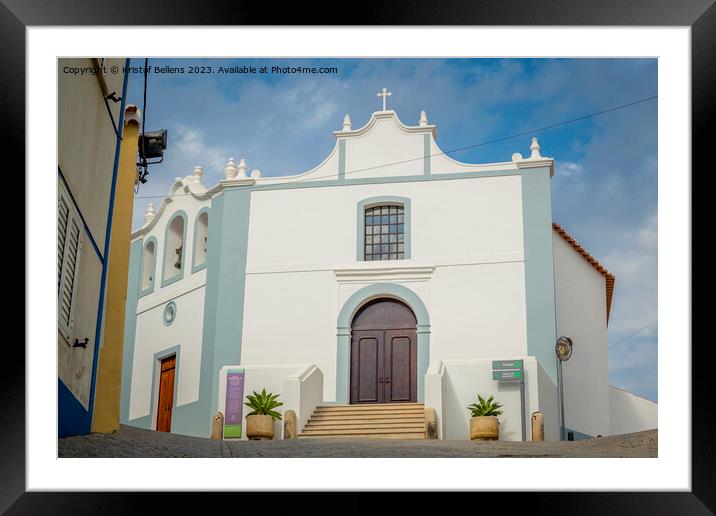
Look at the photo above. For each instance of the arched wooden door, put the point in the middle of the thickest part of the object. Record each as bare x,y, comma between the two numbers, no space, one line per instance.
384,353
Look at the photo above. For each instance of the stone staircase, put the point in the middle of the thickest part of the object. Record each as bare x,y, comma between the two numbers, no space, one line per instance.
368,421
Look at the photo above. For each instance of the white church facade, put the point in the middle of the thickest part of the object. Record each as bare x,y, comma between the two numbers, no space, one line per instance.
389,273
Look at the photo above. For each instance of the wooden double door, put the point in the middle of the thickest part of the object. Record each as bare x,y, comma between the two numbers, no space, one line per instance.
384,353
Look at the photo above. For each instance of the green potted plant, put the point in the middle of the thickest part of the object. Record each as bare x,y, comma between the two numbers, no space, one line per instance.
259,422
484,425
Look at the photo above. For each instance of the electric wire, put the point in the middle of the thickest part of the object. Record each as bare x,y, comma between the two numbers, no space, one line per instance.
633,334
144,117
443,153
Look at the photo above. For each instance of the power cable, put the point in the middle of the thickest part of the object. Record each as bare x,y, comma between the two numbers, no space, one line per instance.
633,334
444,153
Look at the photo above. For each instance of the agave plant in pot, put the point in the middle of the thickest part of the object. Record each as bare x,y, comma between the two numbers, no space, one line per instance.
484,425
259,422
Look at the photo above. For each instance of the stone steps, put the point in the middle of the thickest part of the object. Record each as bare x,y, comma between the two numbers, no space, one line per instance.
368,421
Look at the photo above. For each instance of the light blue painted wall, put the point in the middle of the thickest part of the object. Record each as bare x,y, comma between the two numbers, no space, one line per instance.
224,301
426,154
539,267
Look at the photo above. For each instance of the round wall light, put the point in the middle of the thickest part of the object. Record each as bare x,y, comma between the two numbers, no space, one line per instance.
170,313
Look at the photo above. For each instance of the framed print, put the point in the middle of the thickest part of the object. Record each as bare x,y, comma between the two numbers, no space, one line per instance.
278,263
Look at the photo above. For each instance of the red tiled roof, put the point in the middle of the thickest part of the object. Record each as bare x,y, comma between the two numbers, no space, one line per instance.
608,276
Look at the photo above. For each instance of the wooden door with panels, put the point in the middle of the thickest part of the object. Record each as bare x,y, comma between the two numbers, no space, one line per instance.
166,394
384,353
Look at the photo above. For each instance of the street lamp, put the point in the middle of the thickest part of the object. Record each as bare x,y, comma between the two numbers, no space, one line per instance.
563,349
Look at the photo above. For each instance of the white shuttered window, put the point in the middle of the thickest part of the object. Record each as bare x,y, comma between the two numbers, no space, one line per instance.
69,245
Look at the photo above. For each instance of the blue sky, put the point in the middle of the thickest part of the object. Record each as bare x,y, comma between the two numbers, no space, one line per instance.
604,191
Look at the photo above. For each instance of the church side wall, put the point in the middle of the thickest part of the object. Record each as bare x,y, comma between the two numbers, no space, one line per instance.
631,413
581,316
150,337
466,238
158,340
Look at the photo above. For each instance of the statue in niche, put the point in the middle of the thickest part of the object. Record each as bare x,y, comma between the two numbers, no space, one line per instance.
179,251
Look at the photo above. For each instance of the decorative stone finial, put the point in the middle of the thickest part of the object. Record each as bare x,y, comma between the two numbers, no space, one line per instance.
517,156
230,170
423,119
534,147
198,172
243,167
256,173
347,122
150,213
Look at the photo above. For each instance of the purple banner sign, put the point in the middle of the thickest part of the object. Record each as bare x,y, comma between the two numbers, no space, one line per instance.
233,407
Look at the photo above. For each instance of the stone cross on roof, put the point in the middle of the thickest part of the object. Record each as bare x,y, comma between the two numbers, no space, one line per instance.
385,94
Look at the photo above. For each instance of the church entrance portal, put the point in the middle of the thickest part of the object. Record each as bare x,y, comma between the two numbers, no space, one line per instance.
384,353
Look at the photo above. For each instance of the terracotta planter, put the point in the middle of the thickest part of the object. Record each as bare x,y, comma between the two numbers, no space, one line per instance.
259,427
484,428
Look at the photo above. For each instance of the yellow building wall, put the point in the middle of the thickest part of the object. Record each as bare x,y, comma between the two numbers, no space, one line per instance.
109,373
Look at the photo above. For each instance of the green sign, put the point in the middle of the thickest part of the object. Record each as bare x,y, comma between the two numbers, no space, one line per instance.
507,375
506,364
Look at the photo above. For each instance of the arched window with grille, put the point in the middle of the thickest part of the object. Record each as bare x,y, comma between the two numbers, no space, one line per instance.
383,229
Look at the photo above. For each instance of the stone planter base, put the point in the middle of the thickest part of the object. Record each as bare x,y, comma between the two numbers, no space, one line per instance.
484,428
259,427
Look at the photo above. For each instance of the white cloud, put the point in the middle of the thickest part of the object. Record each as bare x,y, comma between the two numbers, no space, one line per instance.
567,168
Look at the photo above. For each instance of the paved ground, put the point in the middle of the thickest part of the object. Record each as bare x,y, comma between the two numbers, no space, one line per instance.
135,442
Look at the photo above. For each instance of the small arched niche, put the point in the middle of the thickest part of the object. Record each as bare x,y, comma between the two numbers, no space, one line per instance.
201,236
148,265
174,248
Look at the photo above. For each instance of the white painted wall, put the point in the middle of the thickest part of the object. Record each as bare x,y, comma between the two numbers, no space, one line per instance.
467,232
291,318
74,365
385,143
581,312
476,220
85,155
463,380
299,386
153,336
631,413
86,141
548,404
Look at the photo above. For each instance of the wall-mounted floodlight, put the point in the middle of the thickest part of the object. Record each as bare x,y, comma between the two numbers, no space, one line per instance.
152,144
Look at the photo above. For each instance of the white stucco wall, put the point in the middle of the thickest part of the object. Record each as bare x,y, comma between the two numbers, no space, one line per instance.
153,336
299,386
85,155
631,413
463,380
548,404
466,266
385,143
580,294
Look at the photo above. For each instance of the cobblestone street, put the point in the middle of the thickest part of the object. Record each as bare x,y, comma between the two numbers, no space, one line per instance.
135,442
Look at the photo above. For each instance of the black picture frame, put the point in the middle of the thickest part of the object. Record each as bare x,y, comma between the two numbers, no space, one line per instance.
700,15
